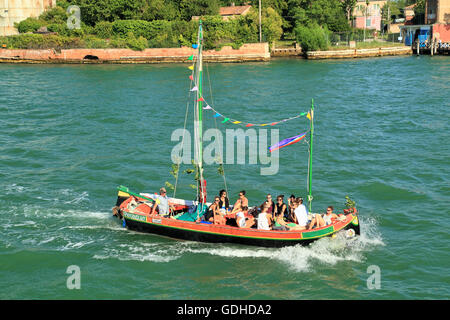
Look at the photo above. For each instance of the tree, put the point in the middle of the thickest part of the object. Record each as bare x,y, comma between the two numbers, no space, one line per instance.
349,6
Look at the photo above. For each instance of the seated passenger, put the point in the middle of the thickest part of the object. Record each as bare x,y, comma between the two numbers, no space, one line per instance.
244,222
224,204
301,215
240,203
280,207
323,220
264,217
279,223
290,214
270,203
212,210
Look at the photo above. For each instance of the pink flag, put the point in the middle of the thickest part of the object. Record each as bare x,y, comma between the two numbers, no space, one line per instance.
191,77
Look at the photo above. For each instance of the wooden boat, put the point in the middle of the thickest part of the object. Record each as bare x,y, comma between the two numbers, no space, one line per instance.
135,208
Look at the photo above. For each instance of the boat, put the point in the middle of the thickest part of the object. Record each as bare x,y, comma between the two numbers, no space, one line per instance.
185,222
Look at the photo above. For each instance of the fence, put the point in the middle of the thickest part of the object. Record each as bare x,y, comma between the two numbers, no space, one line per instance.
344,38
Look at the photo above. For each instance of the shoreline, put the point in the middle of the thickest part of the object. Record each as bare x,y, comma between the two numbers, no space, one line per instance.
254,52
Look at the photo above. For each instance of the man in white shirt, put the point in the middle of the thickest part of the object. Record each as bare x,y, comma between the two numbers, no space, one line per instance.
301,214
162,202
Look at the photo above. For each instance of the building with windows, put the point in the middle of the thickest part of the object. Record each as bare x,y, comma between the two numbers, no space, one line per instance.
17,10
367,14
436,24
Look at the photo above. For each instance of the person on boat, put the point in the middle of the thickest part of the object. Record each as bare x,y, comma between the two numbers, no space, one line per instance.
244,222
161,204
241,203
224,204
213,210
300,214
290,214
271,204
323,220
264,217
278,221
280,207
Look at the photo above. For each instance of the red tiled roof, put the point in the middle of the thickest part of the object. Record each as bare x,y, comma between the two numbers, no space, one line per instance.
233,10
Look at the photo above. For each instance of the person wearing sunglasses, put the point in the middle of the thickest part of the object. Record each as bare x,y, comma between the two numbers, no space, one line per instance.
324,219
270,204
241,203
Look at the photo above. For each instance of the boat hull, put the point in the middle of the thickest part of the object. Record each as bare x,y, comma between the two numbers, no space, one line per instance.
186,230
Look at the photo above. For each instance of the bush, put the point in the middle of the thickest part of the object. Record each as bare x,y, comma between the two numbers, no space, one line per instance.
134,43
29,25
312,38
104,29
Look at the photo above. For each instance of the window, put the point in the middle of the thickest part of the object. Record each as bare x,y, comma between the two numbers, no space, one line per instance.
368,22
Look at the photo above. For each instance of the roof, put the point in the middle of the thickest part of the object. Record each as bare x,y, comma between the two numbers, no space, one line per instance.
233,10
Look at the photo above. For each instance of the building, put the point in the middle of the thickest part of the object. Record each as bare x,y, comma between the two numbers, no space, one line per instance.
436,24
367,14
234,11
17,10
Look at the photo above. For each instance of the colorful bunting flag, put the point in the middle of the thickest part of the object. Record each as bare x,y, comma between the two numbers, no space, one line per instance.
287,142
191,77
225,120
249,125
195,46
217,115
191,58
191,67
207,107
201,99
236,122
194,88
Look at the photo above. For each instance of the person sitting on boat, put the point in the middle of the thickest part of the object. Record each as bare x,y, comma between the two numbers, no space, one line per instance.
241,203
291,209
280,207
323,220
301,214
213,210
270,203
242,221
278,220
224,204
161,204
264,217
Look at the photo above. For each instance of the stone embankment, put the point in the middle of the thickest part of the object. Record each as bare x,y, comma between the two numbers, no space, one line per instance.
359,53
247,52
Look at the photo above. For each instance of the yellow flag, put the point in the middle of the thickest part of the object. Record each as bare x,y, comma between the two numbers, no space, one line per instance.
236,122
191,67
310,114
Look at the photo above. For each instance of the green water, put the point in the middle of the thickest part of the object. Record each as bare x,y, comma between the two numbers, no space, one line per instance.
70,134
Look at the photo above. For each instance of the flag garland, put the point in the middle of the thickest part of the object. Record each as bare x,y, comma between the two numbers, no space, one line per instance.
234,121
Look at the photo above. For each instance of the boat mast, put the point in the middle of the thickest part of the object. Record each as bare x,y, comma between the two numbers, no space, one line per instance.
311,135
199,114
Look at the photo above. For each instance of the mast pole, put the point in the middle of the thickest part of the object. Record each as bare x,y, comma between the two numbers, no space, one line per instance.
200,111
311,135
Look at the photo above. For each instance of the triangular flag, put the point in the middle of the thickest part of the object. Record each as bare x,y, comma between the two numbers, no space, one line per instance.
308,116
207,107
217,115
191,57
236,122
191,67
201,99
191,77
273,123
195,46
262,125
194,88
225,120
249,125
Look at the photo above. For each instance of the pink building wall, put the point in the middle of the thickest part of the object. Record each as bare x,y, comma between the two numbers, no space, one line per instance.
375,22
